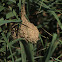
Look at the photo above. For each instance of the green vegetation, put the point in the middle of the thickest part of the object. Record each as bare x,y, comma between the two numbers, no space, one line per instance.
46,15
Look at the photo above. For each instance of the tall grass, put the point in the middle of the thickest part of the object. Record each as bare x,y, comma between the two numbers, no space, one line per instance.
47,15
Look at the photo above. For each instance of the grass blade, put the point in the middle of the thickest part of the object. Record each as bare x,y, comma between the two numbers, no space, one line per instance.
56,17
23,54
8,21
8,15
1,8
14,41
51,48
31,51
6,40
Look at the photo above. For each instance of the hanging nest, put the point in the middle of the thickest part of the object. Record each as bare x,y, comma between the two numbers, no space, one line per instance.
29,32
27,29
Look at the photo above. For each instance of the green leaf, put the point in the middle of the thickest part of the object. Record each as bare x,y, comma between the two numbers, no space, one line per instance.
2,19
41,40
9,2
8,15
50,61
15,14
19,5
3,49
13,1
23,1
1,8
18,60
6,40
8,35
38,57
56,17
2,40
51,48
8,21
23,54
13,54
31,50
14,41
45,6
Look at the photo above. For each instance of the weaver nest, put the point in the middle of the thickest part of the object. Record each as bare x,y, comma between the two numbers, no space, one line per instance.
29,32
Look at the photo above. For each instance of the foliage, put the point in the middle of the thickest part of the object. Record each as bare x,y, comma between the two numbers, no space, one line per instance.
46,15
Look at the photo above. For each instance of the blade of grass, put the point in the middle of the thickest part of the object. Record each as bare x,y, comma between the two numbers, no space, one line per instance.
1,8
28,7
18,60
41,40
14,13
6,40
2,40
23,54
59,56
1,18
13,54
52,12
31,51
14,1
51,48
8,21
58,60
8,15
3,49
19,5
56,17
23,1
14,41
38,57
43,5
8,45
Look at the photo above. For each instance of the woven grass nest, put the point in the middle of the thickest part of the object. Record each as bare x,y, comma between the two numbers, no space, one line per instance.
28,30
